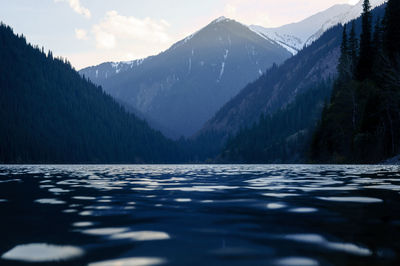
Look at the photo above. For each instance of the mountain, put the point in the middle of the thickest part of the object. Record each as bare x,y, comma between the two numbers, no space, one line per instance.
184,86
277,89
361,123
283,137
50,114
279,86
296,36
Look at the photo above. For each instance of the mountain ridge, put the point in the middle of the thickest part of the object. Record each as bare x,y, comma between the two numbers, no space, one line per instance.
239,122
295,36
185,85
50,114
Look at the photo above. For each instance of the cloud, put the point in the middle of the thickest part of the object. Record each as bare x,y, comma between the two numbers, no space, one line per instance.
81,34
272,13
104,39
115,29
77,7
253,13
353,2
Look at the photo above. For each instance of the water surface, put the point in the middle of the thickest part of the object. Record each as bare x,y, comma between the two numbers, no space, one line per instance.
200,215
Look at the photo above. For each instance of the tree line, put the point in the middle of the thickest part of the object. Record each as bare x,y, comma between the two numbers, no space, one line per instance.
361,123
50,114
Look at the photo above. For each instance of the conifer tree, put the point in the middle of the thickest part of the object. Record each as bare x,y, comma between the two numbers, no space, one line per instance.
377,40
50,114
392,28
365,62
353,48
343,66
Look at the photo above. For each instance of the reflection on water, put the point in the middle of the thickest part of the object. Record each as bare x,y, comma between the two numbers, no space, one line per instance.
42,253
319,240
130,262
142,236
296,261
104,231
303,210
276,206
50,201
82,224
352,199
200,214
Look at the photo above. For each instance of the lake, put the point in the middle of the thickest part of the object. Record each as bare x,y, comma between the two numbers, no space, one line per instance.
199,215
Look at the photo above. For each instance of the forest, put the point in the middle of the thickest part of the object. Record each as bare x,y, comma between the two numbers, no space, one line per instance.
354,118
282,137
50,114
361,123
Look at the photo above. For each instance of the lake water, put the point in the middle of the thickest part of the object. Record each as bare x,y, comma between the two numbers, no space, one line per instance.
200,215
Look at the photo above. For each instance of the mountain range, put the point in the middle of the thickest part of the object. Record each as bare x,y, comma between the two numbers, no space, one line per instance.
226,88
274,118
181,88
296,36
279,86
50,114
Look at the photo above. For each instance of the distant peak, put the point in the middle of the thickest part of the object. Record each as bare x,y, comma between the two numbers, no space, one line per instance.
220,19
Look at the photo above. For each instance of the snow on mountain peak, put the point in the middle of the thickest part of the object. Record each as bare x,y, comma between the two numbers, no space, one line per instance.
220,19
188,38
296,36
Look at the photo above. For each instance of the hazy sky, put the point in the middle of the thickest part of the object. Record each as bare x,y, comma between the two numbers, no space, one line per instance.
90,32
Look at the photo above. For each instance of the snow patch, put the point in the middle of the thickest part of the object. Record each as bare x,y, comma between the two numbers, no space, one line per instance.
221,72
220,19
226,54
295,36
190,65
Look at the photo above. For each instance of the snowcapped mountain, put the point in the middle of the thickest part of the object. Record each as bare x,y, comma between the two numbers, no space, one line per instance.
296,36
280,86
184,86
109,69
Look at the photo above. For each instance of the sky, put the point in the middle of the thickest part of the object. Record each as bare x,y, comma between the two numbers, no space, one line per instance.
89,32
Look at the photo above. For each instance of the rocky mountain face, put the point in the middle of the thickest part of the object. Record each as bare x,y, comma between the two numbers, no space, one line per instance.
296,36
274,96
183,87
279,86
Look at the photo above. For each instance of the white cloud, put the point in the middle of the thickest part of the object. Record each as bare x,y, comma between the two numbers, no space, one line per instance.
115,30
77,7
104,39
249,14
353,2
230,10
272,13
81,34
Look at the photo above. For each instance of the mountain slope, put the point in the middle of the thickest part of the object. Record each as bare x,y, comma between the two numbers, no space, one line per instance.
279,85
49,114
295,36
274,96
283,137
184,86
361,123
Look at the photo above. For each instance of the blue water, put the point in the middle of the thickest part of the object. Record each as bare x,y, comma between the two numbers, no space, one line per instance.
200,215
